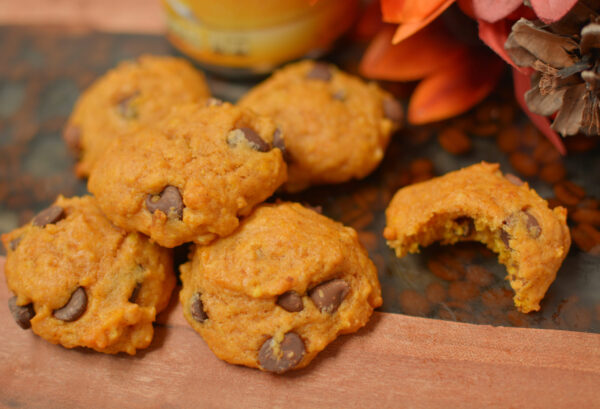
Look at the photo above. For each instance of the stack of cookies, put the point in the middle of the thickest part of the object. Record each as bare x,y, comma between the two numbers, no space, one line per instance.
267,285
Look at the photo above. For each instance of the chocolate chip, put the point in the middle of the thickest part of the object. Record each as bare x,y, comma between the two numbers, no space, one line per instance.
251,136
74,308
72,137
316,209
288,355
169,202
279,143
533,226
135,292
340,95
197,309
505,237
213,102
21,313
392,110
515,180
467,223
14,243
320,71
290,301
126,109
49,216
329,295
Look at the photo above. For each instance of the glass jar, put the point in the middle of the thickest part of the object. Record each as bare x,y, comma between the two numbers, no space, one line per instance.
247,37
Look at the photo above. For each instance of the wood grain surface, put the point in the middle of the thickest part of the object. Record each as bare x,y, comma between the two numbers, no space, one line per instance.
395,362
125,16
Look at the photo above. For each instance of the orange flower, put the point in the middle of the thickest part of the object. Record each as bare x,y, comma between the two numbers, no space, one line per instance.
455,75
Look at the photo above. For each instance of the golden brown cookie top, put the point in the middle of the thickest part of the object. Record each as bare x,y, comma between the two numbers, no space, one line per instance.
285,247
337,126
81,281
135,92
192,175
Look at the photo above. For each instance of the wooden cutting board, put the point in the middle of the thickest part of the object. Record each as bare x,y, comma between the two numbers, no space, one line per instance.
396,361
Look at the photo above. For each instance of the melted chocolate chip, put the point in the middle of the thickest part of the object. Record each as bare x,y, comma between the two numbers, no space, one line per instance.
287,356
320,71
74,308
532,224
515,180
169,201
279,143
126,108
197,309
251,136
290,301
392,110
329,295
467,223
49,216
340,95
505,237
135,292
72,137
14,243
21,313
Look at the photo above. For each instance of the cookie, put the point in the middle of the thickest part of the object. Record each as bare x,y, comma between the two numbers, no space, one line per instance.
80,281
278,290
336,126
135,92
478,203
190,177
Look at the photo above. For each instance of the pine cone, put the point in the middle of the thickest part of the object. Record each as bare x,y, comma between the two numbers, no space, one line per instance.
565,57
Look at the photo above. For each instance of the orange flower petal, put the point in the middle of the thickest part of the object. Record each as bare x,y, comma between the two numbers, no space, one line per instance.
369,22
426,52
407,11
408,28
453,91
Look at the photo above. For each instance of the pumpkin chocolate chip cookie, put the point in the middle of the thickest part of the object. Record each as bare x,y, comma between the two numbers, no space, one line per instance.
336,126
80,281
189,177
478,203
135,92
277,291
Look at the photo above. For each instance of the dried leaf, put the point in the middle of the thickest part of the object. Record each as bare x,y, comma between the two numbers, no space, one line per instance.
590,38
544,104
545,46
521,85
569,118
520,56
455,90
426,52
550,11
407,11
494,10
407,29
591,112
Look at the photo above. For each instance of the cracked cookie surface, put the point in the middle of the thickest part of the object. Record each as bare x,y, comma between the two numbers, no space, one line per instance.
277,291
478,203
336,126
80,281
135,92
191,176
